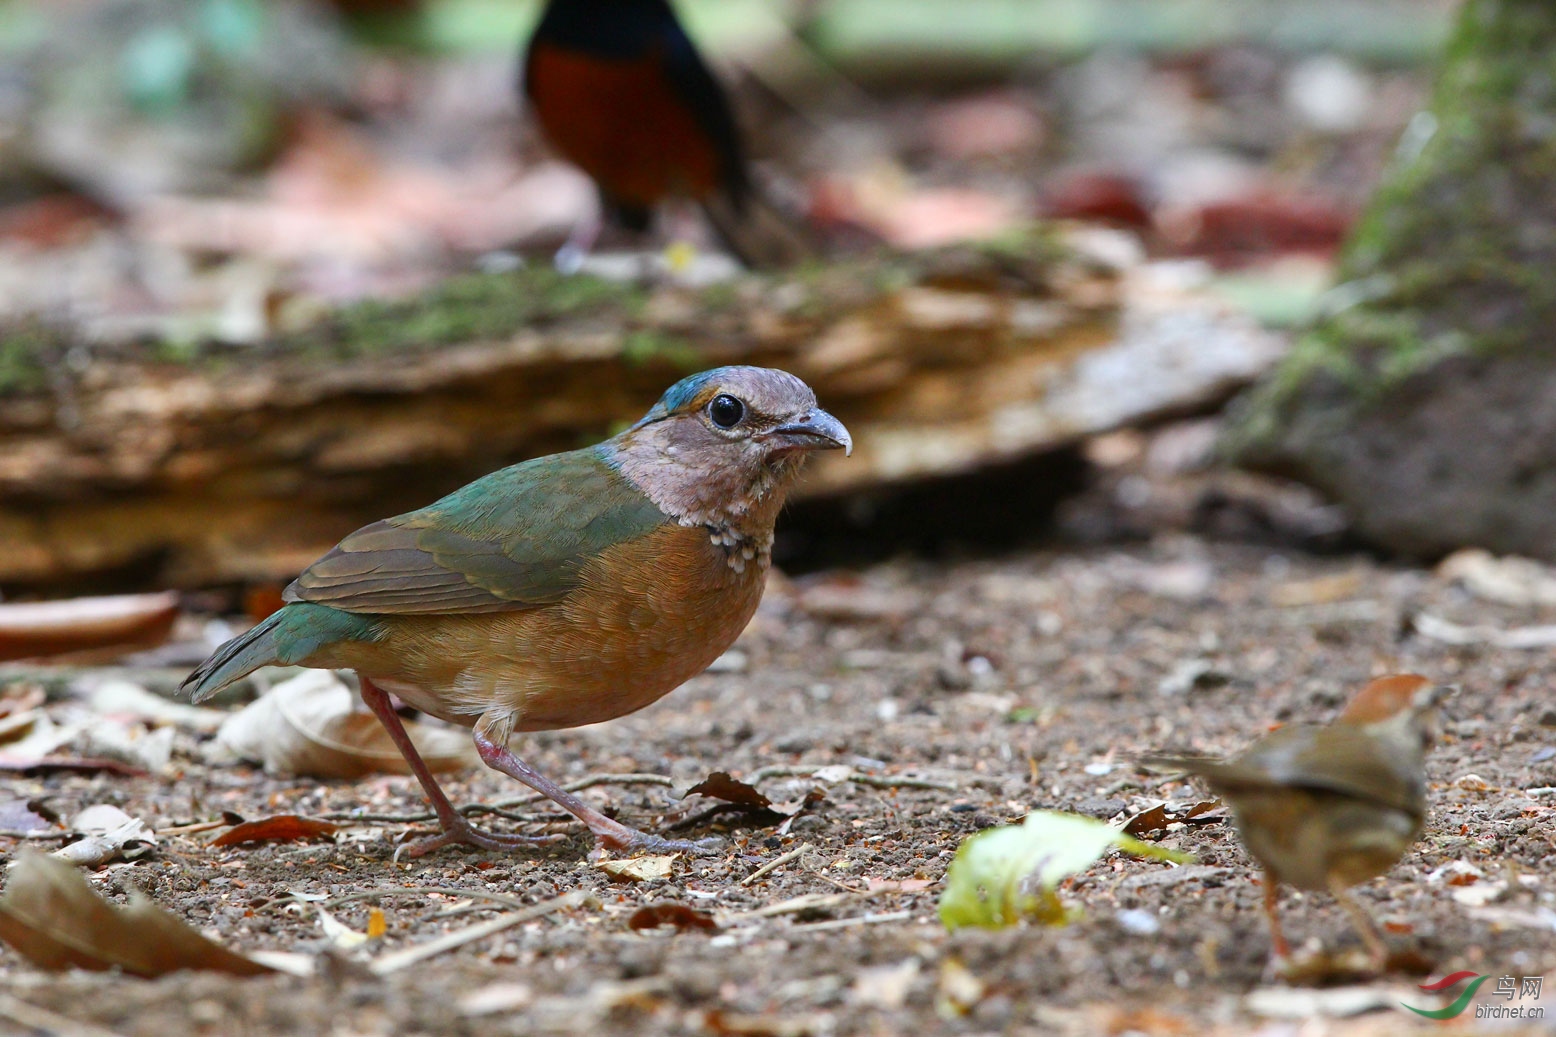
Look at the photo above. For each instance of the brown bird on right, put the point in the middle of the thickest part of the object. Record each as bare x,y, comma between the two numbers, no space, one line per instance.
1326,808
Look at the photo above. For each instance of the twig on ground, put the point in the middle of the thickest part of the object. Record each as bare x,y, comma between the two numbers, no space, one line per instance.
11,833
390,963
465,894
42,1020
1435,628
496,809
844,923
777,862
198,826
879,781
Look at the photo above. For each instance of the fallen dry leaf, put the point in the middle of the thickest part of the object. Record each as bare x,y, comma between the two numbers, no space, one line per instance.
74,764
278,829
719,785
115,697
958,990
886,986
339,933
683,917
638,869
1509,580
23,815
1157,818
306,726
31,630
52,917
21,698
107,833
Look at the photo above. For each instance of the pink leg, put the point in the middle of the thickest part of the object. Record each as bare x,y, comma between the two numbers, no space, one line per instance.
570,257
608,834
455,828
1279,948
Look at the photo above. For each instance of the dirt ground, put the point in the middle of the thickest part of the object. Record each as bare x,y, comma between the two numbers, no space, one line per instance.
998,685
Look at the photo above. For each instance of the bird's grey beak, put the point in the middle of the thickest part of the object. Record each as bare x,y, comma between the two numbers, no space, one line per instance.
816,430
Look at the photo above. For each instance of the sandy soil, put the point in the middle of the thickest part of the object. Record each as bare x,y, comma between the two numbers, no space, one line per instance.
1000,685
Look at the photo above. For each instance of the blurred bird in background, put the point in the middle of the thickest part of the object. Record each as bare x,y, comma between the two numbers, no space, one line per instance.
620,90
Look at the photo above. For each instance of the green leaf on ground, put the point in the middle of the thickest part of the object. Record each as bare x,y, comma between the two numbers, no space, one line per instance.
1004,875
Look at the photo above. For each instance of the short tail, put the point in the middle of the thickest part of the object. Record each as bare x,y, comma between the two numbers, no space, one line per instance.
286,638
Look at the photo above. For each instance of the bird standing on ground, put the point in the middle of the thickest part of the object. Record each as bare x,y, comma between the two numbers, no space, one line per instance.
1326,808
620,90
562,591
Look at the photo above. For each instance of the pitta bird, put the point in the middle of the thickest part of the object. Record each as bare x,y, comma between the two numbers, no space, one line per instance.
562,591
1326,808
620,90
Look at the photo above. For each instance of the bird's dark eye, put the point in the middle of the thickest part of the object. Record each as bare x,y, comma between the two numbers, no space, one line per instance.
726,411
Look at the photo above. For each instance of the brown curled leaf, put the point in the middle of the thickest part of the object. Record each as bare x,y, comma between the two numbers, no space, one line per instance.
282,828
52,917
668,912
719,785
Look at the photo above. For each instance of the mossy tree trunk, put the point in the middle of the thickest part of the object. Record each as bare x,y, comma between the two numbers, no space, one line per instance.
1425,399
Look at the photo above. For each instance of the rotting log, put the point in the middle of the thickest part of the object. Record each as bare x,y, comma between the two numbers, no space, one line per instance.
222,465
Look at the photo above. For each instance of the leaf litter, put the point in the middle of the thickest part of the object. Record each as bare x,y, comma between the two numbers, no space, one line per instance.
51,916
1093,698
308,726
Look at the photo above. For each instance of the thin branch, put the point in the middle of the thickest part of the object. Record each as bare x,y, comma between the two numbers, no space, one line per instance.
398,960
777,862
844,923
42,1020
464,894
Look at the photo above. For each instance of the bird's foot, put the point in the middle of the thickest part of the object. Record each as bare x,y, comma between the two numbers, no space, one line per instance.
462,832
619,838
569,259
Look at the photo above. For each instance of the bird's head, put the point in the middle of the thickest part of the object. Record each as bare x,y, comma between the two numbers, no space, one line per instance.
1401,705
729,440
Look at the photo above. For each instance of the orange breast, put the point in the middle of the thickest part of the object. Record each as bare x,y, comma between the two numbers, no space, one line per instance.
649,614
622,123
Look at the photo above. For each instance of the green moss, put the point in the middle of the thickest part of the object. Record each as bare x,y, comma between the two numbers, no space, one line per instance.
26,355
1454,253
494,307
468,308
647,346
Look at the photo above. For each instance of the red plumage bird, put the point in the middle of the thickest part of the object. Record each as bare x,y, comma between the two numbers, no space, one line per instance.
620,90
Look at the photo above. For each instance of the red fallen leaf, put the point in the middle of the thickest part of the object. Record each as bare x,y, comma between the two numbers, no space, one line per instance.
282,828
651,916
719,785
52,221
1098,197
120,622
1238,229
74,764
